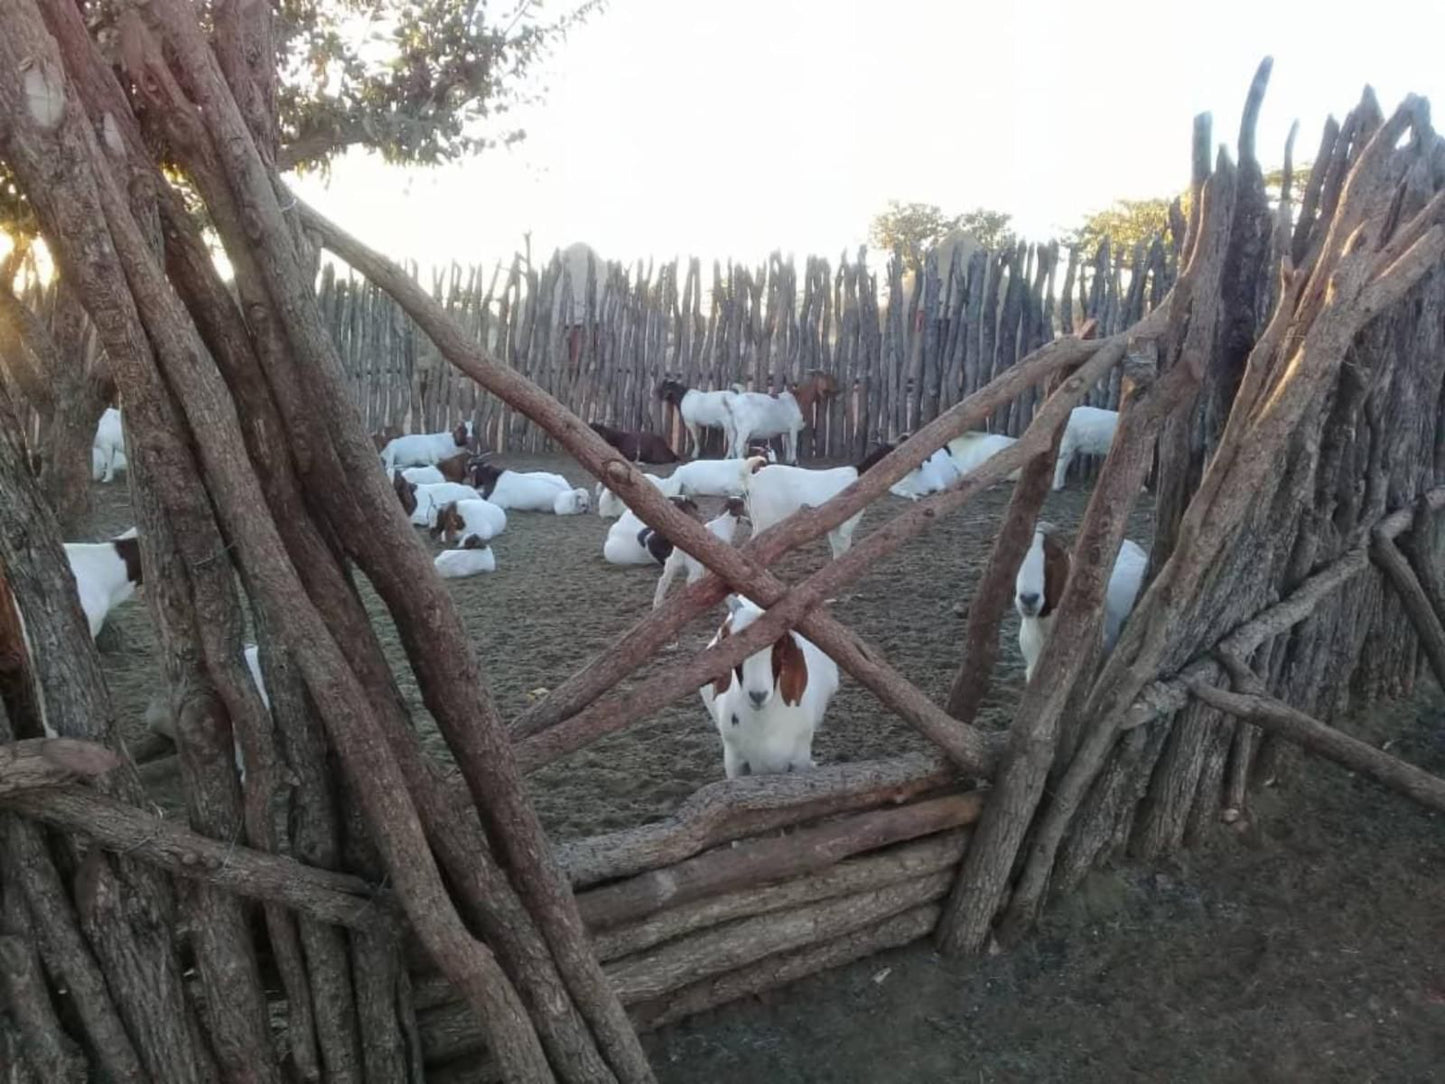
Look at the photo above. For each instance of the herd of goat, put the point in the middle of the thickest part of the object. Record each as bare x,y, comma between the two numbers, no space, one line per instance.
767,708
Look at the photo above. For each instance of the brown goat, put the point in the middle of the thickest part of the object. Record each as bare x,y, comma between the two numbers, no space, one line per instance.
388,434
455,468
636,447
812,394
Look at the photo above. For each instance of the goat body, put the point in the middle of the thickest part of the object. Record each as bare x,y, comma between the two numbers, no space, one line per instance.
1090,432
430,498
934,474
768,708
757,415
1040,583
724,527
109,443
636,447
521,491
424,476
969,450
467,519
631,542
425,449
610,505
775,492
106,574
101,464
467,561
700,409
710,477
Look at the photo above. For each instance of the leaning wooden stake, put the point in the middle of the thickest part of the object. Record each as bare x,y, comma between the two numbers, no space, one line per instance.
1258,707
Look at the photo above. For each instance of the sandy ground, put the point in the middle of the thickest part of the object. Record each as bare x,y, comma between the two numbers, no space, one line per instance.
1310,948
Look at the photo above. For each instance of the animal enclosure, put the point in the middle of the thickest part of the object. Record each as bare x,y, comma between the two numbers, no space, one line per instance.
902,343
410,916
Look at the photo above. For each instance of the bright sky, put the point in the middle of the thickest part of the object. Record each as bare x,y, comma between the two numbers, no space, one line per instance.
673,127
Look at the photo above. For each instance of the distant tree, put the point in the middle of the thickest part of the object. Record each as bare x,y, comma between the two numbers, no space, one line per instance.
1126,223
914,227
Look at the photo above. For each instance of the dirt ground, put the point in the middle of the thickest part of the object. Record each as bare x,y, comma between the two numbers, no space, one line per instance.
1310,948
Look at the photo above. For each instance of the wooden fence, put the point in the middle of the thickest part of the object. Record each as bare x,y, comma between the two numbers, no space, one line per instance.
900,350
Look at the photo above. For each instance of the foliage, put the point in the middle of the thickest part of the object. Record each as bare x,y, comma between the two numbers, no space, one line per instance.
1126,223
914,227
420,81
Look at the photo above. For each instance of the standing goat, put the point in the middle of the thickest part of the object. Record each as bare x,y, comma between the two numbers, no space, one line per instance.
636,447
756,415
109,445
1091,432
699,410
425,449
1039,587
724,527
106,574
775,492
768,707
714,477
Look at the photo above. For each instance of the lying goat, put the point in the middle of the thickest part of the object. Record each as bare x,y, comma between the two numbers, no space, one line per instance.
636,447
768,707
461,521
1039,587
631,542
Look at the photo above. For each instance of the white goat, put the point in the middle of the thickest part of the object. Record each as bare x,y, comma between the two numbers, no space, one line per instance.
431,497
724,527
521,491
756,415
106,574
934,474
100,464
159,718
631,542
767,708
775,492
109,443
423,476
712,477
1091,432
1040,583
468,519
424,449
700,409
572,502
610,506
465,561
969,450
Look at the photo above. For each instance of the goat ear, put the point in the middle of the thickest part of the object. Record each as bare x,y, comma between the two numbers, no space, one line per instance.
790,669
724,680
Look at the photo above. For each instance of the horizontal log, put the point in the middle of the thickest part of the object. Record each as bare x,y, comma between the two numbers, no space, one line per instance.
679,963
730,809
761,861
51,762
337,898
751,956
775,971
903,863
1305,730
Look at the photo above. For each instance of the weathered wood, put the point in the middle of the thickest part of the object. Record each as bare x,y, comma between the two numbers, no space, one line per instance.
930,855
51,762
1315,736
762,860
731,809
775,971
744,942
1423,615
332,897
